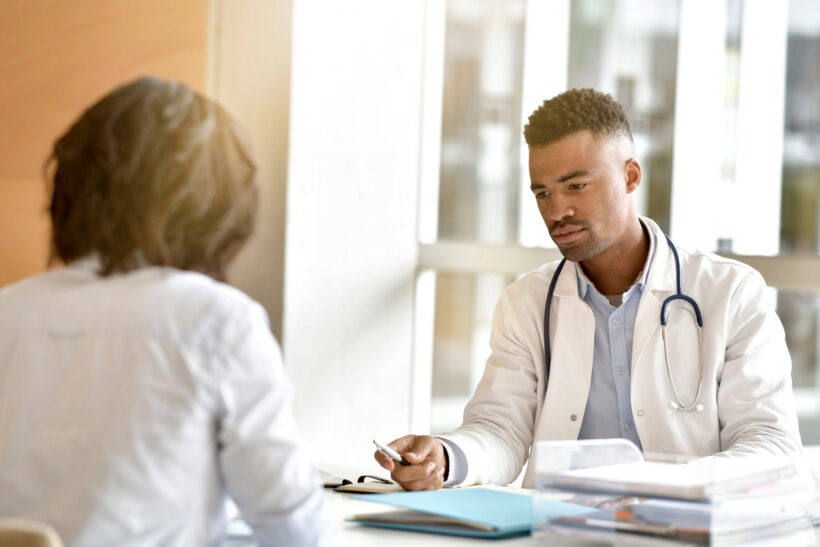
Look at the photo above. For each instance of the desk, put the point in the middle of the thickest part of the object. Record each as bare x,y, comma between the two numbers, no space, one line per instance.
349,534
341,506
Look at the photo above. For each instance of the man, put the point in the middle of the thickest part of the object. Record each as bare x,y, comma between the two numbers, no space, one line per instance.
608,373
136,389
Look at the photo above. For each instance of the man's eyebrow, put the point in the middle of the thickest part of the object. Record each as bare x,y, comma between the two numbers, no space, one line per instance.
569,176
574,174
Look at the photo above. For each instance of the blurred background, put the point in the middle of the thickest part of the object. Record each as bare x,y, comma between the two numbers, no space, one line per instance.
633,50
395,204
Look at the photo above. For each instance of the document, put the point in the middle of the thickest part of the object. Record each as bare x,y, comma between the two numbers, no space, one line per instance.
691,522
472,511
698,480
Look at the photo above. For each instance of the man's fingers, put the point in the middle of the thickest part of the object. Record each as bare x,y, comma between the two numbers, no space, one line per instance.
424,445
424,476
416,448
384,461
408,473
426,457
407,447
433,481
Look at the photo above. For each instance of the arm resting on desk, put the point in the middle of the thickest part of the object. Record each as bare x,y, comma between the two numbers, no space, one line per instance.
266,470
755,399
499,420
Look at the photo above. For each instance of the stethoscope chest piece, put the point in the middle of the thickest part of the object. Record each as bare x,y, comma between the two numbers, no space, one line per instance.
677,404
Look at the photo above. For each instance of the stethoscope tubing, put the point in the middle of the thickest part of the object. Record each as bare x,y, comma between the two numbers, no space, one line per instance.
694,406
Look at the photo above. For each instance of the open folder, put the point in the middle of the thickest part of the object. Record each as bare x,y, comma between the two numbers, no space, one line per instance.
474,512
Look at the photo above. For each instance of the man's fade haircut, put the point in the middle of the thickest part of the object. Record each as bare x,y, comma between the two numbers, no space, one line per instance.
152,174
576,110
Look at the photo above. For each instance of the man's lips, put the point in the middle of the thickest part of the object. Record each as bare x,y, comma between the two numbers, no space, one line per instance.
567,234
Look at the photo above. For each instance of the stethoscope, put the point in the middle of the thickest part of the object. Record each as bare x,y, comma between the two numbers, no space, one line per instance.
677,404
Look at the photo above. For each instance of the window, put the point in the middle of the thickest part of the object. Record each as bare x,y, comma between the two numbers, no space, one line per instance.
800,205
730,154
480,172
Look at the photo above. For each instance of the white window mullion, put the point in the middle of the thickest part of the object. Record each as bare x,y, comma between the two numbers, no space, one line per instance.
435,21
546,61
696,163
759,162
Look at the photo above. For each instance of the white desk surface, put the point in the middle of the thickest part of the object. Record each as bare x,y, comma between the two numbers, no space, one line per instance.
341,505
351,534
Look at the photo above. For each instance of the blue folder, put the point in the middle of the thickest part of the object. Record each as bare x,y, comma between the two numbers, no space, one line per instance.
473,512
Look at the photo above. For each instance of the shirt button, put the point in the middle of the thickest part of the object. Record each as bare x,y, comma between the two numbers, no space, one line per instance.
573,417
621,370
617,320
628,425
640,412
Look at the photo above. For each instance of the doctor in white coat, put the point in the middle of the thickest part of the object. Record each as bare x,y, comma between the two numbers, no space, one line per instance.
608,372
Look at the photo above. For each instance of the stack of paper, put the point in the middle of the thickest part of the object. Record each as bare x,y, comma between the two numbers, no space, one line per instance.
699,480
691,522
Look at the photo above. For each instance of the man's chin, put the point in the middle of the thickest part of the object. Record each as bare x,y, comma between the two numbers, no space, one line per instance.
578,253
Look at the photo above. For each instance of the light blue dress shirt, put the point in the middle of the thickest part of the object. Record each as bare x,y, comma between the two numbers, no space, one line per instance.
609,406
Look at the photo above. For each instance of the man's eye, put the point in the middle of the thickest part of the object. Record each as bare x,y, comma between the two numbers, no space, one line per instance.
577,186
541,195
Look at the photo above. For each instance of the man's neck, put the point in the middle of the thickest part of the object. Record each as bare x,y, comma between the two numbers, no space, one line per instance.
615,270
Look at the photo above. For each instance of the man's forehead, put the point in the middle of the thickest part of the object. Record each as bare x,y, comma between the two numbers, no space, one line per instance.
581,146
569,149
585,136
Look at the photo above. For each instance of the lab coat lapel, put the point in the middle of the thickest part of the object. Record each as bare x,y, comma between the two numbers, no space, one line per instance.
660,285
572,336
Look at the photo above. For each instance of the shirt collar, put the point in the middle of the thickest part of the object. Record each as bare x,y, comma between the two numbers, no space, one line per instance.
90,263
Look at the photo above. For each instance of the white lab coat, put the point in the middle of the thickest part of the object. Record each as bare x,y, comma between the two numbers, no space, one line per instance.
747,389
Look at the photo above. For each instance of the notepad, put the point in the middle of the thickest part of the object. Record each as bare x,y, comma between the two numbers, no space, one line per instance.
472,512
369,487
365,484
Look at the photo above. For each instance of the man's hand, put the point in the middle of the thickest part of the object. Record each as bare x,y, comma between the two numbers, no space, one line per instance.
429,463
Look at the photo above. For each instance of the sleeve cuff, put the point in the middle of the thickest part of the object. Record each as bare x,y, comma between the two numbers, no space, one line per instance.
457,463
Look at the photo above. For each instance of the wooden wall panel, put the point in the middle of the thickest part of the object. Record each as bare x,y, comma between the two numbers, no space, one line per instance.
56,58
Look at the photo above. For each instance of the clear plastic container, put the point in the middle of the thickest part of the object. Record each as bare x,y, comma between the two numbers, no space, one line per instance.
637,499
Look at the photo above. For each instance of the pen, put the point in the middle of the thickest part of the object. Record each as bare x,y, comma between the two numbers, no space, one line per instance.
390,453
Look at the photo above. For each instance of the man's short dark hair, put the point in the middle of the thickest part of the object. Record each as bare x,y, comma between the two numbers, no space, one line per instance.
152,174
576,110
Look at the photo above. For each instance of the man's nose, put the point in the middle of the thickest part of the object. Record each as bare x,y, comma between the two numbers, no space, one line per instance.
560,208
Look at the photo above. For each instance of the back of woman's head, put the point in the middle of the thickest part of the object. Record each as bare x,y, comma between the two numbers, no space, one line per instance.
152,174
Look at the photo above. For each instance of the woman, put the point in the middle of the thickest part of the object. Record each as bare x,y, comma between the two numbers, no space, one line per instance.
137,389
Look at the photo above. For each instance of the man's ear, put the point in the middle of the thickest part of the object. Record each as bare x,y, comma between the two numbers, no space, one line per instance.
632,175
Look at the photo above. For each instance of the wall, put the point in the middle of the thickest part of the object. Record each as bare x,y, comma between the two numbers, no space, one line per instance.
354,164
57,58
250,76
351,238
